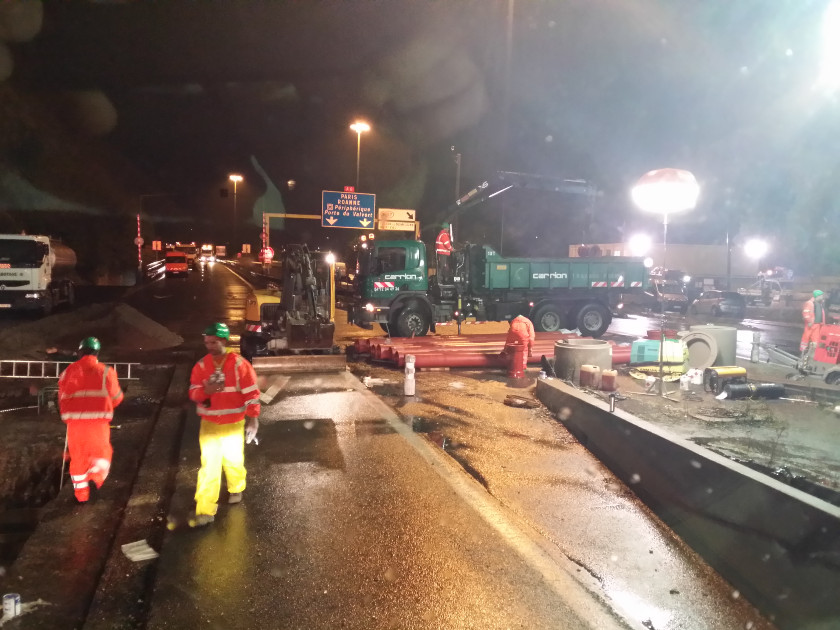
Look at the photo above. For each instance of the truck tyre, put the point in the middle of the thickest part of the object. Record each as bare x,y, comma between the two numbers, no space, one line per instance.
411,322
548,318
593,320
48,305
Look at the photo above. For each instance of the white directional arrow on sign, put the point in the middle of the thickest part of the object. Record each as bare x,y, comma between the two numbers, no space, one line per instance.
365,222
396,214
331,220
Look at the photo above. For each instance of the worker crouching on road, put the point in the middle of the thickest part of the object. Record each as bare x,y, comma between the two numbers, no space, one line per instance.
521,331
88,392
224,387
813,314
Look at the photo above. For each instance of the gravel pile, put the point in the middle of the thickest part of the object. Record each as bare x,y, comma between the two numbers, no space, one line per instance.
117,325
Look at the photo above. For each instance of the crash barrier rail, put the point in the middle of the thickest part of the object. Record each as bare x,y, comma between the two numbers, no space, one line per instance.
14,368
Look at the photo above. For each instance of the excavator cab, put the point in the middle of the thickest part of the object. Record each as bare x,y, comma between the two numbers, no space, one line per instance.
292,314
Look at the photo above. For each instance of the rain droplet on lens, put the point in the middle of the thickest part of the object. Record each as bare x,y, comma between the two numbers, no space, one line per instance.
736,594
390,575
635,478
696,464
309,425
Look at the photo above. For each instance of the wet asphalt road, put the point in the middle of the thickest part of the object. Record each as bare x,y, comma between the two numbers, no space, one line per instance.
351,520
347,524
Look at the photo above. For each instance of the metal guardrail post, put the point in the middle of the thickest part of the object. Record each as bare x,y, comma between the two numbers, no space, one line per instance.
756,345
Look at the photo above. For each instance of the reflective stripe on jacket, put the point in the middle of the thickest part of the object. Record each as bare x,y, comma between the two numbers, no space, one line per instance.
813,312
443,244
239,398
88,390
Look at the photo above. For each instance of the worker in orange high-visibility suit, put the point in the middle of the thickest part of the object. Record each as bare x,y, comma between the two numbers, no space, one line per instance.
521,331
813,314
88,392
443,249
224,387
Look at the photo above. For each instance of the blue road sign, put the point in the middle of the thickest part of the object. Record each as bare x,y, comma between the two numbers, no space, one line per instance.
347,209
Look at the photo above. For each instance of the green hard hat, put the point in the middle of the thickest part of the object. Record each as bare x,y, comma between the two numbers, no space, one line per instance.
817,293
219,330
445,225
90,343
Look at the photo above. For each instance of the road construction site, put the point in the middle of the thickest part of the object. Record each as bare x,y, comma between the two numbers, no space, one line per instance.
524,467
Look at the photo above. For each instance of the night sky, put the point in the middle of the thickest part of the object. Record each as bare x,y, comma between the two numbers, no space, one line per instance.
164,99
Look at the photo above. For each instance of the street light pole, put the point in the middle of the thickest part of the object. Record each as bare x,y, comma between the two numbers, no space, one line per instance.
359,127
235,179
663,191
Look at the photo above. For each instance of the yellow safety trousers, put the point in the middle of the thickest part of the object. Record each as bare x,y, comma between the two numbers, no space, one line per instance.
222,448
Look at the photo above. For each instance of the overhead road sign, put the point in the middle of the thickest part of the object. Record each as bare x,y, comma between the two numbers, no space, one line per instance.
394,214
347,209
397,226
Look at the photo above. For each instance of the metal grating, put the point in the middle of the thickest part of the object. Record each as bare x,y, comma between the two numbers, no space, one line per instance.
53,369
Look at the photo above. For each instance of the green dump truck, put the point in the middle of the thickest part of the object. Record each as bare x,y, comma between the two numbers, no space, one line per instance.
393,288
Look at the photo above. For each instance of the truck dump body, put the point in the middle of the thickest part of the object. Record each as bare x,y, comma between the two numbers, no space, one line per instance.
560,273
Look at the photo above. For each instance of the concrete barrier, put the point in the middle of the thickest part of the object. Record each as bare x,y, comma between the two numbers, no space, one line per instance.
777,546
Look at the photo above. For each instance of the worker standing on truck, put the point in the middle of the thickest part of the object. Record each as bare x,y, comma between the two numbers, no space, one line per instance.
443,249
88,391
224,387
813,314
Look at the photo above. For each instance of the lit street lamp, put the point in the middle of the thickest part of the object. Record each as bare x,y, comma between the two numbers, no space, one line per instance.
359,127
235,179
664,191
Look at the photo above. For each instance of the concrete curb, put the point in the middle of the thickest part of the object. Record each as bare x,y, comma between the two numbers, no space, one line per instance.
778,546
120,600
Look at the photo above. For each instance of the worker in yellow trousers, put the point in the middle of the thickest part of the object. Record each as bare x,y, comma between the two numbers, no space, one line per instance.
224,387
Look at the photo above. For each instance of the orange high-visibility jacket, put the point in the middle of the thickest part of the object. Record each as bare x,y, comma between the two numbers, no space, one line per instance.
813,313
443,244
88,390
240,397
521,329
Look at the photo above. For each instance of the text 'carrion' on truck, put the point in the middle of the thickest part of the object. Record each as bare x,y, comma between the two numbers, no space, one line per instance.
36,273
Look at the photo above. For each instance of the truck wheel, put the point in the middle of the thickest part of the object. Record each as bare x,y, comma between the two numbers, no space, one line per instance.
410,322
593,320
548,318
47,307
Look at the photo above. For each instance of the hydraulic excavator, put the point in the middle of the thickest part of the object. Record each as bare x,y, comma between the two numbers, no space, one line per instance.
288,326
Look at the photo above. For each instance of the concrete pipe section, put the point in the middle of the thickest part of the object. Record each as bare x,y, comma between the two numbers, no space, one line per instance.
570,354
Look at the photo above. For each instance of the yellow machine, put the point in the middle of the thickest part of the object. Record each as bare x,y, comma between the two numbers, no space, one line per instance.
293,318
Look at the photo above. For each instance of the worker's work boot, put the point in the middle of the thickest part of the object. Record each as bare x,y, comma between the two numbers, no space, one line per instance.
235,497
200,520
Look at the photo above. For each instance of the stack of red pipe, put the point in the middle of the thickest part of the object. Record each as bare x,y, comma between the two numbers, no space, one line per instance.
481,350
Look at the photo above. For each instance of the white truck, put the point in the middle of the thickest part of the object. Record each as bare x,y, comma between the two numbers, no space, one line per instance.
36,273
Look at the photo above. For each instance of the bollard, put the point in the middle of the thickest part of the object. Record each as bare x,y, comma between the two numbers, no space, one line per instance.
755,347
409,385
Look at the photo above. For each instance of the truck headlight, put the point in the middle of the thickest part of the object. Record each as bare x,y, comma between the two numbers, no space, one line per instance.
32,296
369,307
